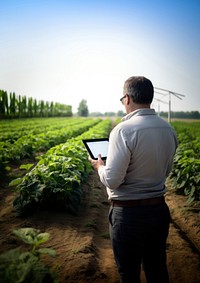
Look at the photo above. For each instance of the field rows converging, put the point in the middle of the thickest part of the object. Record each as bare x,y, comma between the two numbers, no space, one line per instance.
60,139
56,179
40,138
45,171
13,129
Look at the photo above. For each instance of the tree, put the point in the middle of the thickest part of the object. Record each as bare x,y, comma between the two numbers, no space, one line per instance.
13,102
4,110
30,107
83,108
41,108
13,106
120,113
35,108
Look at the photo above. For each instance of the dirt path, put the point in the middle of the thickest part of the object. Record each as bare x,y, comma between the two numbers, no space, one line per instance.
82,244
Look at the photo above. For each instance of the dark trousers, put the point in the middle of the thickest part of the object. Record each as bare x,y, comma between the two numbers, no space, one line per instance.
139,236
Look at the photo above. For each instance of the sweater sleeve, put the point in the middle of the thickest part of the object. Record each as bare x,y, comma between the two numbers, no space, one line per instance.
113,173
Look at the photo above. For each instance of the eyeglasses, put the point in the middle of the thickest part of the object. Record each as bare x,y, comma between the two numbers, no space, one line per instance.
121,99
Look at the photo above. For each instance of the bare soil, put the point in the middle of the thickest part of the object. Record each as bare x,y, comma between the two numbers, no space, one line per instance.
82,243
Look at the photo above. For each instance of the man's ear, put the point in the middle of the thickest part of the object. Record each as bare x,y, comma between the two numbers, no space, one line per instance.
128,99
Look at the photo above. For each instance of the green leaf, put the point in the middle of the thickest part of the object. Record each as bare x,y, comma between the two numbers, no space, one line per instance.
42,237
31,236
15,182
48,251
27,166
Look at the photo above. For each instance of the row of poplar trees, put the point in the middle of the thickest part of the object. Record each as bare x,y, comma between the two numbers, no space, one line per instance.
12,106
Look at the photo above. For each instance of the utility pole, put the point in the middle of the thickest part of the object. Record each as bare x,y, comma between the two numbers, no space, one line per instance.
169,93
159,100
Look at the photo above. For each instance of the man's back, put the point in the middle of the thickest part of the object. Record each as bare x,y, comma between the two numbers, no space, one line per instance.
144,144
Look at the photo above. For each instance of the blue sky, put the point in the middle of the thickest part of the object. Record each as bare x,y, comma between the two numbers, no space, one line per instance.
66,51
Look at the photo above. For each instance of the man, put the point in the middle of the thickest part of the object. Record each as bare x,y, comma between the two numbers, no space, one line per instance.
140,157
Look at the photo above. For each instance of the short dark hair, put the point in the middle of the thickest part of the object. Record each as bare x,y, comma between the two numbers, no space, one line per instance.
140,89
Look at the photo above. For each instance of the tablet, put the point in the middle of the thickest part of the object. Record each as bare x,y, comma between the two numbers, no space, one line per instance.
96,147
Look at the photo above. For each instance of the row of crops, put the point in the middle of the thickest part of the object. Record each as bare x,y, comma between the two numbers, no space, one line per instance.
24,139
185,176
56,180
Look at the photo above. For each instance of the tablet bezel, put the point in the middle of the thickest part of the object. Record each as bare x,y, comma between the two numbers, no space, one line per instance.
86,141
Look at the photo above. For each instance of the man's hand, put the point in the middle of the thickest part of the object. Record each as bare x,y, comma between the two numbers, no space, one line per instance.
97,163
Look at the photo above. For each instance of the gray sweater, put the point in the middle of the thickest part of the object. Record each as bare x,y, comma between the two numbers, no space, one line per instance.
140,156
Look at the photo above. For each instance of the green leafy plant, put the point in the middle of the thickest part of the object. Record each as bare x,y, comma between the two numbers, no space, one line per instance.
34,238
18,266
185,175
56,180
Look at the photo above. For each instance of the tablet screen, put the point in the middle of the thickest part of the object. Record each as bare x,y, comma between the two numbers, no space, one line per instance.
96,147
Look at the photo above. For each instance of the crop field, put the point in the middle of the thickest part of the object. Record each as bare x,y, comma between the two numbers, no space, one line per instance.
61,168
56,142
44,169
23,138
185,175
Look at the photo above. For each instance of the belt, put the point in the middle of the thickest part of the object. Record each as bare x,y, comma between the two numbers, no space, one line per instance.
138,202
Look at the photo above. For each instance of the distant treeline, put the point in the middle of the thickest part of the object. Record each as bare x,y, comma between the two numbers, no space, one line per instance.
108,114
182,114
12,106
